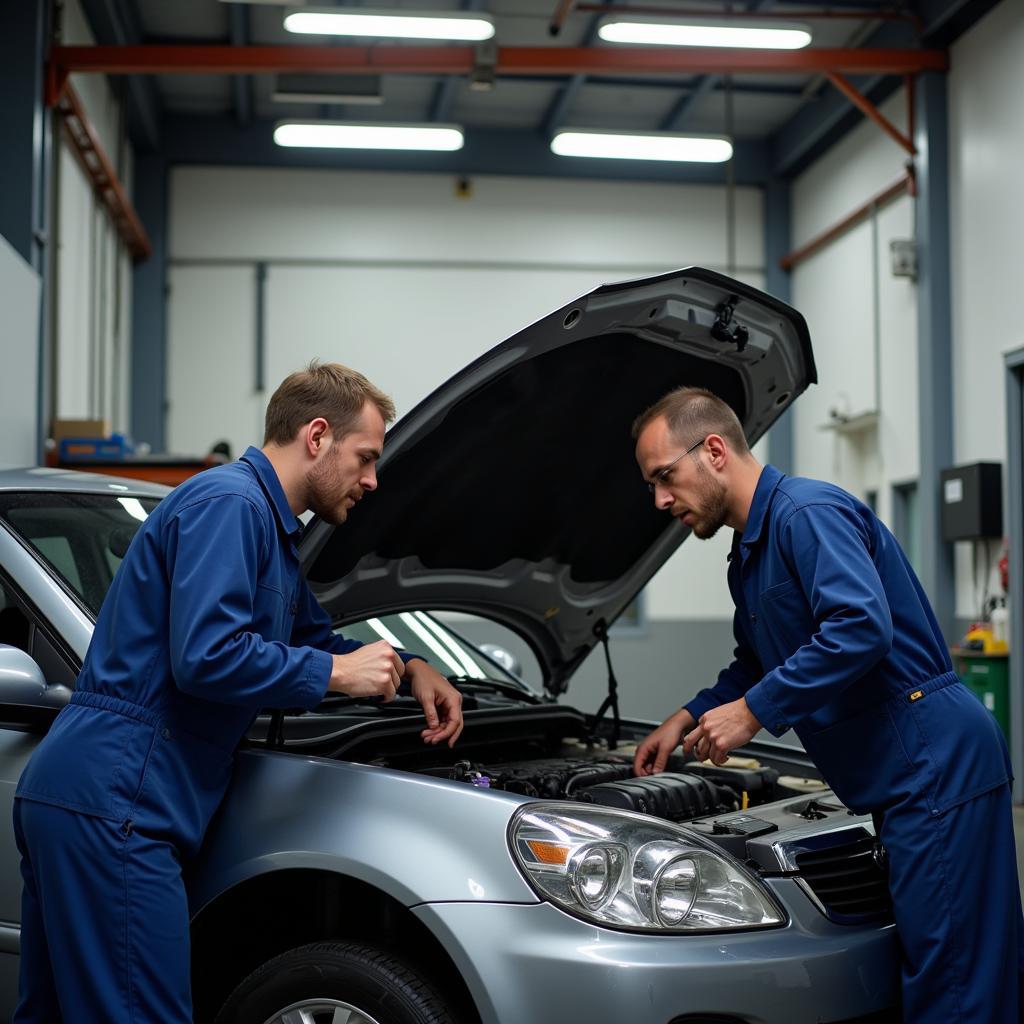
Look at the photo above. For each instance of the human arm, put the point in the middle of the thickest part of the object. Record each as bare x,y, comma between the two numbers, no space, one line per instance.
653,752
721,730
441,702
733,681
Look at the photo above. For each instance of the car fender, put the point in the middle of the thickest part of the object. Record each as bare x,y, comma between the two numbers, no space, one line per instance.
417,838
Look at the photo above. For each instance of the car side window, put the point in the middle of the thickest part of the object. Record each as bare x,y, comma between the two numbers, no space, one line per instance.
21,627
57,551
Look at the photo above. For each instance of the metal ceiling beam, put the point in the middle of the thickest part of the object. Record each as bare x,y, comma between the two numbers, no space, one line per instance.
459,60
809,133
445,91
97,168
872,113
812,130
555,115
676,118
223,141
947,20
238,15
115,22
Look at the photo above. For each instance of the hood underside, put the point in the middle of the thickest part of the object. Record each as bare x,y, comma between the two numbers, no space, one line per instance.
512,492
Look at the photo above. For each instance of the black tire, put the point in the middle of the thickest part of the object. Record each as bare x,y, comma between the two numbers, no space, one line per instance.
326,976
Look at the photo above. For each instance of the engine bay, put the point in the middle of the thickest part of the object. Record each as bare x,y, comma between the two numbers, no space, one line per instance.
759,810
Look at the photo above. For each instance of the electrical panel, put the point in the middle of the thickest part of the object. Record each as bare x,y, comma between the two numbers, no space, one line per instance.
972,501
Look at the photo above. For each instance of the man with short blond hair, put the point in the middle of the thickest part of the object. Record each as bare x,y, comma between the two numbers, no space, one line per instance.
207,621
835,639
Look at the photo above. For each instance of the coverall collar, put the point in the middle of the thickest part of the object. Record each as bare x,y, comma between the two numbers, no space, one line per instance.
767,482
267,477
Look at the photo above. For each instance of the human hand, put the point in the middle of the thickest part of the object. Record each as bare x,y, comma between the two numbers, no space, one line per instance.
652,754
441,703
721,730
370,671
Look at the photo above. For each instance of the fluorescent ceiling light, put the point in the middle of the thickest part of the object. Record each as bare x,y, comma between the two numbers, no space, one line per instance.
705,149
333,21
338,135
667,32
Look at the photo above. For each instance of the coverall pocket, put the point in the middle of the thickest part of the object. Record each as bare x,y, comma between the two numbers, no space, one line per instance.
954,741
785,619
186,779
92,760
862,759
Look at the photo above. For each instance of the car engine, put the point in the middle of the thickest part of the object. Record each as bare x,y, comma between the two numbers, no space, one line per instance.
686,791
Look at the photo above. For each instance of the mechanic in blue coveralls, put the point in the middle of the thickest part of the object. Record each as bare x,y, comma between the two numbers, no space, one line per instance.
836,640
207,621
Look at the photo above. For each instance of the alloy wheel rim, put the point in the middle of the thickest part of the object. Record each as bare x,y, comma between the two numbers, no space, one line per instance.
321,1011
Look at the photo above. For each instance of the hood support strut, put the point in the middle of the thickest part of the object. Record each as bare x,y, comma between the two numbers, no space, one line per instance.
612,700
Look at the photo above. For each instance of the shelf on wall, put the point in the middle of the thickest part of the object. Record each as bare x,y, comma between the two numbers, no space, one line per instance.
855,424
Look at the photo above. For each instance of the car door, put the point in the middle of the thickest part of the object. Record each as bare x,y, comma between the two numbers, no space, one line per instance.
36,674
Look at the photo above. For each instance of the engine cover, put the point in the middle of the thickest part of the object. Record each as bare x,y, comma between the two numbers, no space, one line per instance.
672,796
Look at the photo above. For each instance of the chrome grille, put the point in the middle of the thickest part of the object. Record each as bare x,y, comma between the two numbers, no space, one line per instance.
847,881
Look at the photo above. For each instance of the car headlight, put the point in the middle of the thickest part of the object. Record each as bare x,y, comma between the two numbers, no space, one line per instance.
629,871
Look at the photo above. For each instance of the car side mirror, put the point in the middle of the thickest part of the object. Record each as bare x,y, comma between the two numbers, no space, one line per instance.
22,681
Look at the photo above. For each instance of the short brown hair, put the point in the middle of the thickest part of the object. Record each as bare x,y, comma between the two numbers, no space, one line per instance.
330,390
693,413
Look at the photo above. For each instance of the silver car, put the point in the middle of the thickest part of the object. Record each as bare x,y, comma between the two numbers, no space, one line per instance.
355,876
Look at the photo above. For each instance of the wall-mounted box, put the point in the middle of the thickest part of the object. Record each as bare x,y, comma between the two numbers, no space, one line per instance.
972,501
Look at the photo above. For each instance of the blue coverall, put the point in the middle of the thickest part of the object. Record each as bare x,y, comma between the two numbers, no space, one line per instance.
836,640
207,620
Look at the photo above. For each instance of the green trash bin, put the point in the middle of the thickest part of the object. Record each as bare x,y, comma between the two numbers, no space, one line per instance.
987,676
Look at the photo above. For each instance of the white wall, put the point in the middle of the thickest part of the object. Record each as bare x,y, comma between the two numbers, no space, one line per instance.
92,322
19,382
396,275
834,288
987,223
863,321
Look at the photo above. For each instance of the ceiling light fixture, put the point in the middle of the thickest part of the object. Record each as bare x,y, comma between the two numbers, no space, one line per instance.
705,149
443,138
334,21
305,88
668,32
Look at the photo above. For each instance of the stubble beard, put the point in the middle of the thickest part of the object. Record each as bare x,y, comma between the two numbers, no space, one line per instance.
715,505
323,483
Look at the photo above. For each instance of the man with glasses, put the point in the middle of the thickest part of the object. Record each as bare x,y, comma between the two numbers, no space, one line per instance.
836,639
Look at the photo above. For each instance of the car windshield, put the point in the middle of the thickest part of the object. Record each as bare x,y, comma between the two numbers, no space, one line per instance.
81,537
437,643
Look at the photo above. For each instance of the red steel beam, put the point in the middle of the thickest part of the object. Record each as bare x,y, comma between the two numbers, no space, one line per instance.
870,111
460,60
92,158
851,220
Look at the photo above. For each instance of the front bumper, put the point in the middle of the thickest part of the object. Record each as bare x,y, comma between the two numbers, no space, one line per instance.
535,963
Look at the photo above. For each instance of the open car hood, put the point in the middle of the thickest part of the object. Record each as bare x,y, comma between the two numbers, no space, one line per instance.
512,491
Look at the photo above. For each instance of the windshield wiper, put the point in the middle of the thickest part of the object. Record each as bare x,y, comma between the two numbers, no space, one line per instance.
462,683
404,701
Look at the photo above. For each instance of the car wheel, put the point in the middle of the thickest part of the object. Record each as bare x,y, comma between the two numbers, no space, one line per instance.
334,983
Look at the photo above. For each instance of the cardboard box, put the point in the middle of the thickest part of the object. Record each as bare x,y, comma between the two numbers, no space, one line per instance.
80,428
